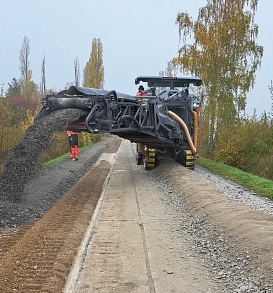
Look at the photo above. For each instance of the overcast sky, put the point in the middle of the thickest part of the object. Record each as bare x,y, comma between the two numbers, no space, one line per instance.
138,38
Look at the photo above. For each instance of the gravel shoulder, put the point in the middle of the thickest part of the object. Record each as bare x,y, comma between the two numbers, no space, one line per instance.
236,192
230,233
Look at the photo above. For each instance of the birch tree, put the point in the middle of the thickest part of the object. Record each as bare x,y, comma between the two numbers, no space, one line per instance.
220,47
170,71
28,87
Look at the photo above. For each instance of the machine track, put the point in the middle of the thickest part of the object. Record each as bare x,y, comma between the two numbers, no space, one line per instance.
189,160
149,160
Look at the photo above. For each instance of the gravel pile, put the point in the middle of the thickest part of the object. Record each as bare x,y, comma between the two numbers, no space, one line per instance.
21,159
48,185
236,192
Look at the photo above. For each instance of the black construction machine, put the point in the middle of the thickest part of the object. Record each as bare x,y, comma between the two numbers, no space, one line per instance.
163,122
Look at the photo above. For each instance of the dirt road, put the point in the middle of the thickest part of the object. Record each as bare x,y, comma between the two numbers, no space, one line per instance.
165,230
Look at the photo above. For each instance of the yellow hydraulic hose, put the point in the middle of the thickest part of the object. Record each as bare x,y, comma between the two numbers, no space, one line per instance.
185,128
140,147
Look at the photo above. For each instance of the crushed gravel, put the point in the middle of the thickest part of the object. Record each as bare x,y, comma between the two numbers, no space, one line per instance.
25,196
237,192
234,262
21,159
47,186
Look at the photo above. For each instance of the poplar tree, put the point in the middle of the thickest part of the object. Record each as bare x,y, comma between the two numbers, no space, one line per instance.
93,73
77,71
43,82
270,87
2,91
28,87
220,47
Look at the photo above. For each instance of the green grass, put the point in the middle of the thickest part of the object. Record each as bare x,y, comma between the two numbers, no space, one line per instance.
62,157
56,160
261,186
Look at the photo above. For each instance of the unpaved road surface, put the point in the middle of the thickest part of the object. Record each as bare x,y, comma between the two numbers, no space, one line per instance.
165,230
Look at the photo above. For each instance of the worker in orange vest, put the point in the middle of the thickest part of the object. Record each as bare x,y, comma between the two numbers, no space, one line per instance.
140,91
73,145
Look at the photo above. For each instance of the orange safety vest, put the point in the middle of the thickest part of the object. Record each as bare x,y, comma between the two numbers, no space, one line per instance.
141,94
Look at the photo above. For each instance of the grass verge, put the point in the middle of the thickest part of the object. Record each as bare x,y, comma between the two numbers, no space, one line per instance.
62,157
261,186
56,160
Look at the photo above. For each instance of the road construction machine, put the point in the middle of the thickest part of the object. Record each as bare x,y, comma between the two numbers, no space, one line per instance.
163,121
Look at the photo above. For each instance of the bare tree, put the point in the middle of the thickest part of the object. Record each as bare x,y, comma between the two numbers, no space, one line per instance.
28,87
24,59
77,71
2,90
170,71
43,83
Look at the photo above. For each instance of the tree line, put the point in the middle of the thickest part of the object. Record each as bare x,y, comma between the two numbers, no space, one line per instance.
93,73
20,103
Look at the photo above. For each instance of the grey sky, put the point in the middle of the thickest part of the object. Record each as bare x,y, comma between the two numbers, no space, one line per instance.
138,37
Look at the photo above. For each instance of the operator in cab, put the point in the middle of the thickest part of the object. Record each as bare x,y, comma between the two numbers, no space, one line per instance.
140,92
